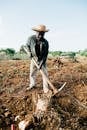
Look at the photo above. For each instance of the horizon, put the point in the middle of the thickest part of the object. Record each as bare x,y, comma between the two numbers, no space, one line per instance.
1,49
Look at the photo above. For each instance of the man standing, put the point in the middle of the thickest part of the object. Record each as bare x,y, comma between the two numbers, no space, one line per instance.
38,48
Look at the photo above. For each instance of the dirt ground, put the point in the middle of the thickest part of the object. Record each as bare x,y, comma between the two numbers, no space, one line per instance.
70,104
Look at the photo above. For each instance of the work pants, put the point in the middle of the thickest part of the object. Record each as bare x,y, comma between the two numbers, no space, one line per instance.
33,72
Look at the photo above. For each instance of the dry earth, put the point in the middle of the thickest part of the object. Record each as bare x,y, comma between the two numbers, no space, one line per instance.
70,104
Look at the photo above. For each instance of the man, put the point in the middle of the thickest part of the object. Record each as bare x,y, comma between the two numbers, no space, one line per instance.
38,48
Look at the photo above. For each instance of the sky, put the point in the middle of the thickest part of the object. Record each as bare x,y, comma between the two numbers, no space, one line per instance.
66,20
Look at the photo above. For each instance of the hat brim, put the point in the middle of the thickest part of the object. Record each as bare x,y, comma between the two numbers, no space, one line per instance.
38,30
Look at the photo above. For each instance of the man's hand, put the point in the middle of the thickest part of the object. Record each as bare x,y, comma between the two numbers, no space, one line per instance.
30,55
28,51
40,64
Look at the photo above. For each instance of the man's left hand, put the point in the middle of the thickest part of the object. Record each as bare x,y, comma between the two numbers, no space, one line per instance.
40,64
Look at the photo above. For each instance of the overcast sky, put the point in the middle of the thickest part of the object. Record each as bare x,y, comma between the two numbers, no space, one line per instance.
66,19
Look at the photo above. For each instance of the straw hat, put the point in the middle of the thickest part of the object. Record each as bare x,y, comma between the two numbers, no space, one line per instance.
40,28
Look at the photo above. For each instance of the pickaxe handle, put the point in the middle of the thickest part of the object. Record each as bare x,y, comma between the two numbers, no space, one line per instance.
48,81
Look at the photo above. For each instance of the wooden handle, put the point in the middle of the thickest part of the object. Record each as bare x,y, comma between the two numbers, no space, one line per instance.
48,81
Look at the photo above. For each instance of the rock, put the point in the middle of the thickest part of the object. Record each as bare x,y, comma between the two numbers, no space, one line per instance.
7,114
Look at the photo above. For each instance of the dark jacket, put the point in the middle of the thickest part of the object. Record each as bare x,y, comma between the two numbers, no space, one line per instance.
41,52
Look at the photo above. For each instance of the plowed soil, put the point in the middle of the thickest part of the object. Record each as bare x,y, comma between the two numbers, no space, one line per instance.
70,103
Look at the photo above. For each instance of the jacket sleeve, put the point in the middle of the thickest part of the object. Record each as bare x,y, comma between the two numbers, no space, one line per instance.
28,45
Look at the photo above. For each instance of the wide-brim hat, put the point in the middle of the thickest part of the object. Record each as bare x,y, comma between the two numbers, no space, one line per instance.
40,28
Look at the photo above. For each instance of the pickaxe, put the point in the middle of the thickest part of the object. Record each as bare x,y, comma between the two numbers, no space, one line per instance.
55,91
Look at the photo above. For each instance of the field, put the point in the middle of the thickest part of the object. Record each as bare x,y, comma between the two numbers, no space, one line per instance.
70,104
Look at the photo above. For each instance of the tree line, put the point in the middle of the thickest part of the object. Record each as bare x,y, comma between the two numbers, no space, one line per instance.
10,53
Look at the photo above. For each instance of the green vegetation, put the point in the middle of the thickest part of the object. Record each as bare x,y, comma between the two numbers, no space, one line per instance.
55,53
6,54
9,53
83,53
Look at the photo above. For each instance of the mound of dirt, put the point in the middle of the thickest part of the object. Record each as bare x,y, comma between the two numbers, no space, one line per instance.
69,106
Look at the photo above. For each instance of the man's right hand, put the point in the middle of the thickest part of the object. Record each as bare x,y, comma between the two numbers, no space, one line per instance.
30,56
40,64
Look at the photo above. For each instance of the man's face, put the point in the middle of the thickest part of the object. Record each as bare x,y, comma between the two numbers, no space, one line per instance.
40,35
